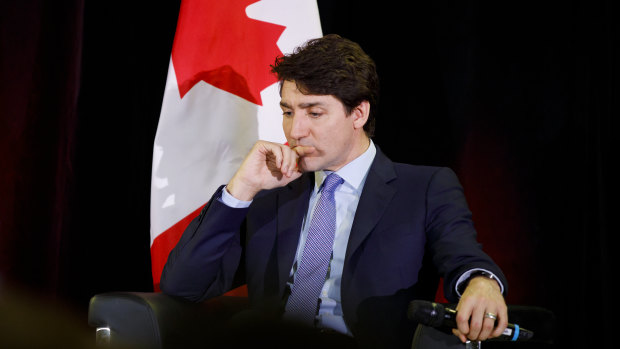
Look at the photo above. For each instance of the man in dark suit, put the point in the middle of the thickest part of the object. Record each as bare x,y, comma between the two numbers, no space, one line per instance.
393,229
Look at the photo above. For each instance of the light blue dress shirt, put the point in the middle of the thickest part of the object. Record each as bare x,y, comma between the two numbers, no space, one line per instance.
347,196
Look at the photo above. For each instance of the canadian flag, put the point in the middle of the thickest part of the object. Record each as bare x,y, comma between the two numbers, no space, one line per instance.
220,98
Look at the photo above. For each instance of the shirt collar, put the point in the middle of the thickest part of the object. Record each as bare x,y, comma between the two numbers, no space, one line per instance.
354,172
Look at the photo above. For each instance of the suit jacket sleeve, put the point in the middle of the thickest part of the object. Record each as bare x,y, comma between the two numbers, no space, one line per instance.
204,262
451,233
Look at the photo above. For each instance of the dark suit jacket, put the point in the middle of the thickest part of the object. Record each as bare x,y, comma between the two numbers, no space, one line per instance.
412,225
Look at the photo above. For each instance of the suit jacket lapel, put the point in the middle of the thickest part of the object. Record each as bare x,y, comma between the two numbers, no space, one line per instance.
376,195
292,206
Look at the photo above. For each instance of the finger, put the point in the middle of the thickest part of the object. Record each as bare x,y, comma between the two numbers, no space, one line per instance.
488,324
273,155
461,336
286,160
463,314
291,164
303,150
475,323
502,322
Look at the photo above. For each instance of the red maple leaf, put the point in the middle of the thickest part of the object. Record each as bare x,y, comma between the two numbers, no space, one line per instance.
217,43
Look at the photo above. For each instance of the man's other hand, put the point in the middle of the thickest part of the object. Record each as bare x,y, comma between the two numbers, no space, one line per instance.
481,301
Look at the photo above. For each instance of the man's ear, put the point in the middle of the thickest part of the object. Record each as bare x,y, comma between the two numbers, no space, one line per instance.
360,114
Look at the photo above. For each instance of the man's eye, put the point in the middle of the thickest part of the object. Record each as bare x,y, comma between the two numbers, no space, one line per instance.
287,113
314,115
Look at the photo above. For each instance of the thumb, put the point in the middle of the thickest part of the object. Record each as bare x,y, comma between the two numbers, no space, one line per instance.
302,150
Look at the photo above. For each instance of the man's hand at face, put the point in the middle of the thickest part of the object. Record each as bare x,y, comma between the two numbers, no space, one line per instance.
268,165
481,301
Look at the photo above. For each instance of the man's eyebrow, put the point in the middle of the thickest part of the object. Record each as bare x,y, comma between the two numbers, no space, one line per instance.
303,105
310,105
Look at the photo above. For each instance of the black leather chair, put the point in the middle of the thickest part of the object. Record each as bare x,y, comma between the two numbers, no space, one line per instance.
156,320
159,321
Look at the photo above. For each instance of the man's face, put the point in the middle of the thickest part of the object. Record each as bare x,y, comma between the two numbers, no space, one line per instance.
320,121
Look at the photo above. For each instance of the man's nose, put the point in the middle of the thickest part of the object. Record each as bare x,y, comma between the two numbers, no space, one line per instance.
299,127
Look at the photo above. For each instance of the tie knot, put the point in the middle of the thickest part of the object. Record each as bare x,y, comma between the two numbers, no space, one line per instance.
332,181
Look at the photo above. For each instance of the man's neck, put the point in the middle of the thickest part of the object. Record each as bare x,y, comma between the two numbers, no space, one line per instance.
359,148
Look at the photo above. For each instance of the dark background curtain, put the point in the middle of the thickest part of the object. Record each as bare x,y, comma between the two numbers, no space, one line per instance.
518,98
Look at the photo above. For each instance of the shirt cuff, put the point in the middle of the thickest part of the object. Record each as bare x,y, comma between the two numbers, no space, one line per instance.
465,276
227,199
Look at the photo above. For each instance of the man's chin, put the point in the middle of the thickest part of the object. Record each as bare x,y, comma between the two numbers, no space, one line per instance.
307,165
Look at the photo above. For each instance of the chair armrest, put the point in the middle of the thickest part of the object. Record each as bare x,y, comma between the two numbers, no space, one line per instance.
539,320
157,320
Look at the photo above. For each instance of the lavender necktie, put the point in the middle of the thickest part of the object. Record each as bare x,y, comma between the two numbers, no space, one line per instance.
310,276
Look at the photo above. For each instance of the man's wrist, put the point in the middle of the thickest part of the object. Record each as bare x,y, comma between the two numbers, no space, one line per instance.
231,201
462,284
480,279
239,190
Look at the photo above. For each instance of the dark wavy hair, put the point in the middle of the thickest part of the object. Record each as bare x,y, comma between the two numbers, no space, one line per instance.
333,65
